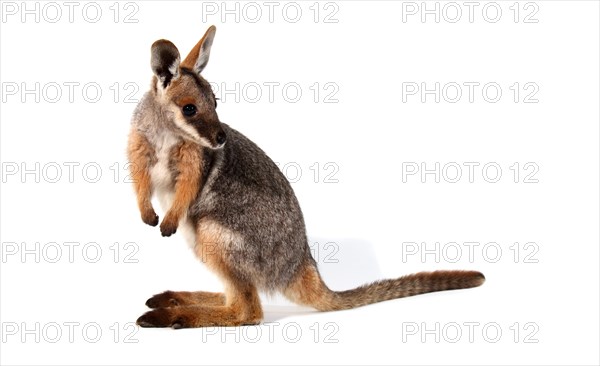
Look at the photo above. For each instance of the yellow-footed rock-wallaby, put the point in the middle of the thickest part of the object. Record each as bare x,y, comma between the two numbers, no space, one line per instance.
237,210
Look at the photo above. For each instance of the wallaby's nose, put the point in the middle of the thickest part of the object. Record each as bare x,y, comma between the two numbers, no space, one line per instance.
221,138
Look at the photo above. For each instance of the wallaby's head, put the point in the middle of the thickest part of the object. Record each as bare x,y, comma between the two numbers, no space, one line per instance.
186,96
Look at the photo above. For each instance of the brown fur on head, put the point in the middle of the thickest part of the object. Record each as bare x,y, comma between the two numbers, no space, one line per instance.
184,94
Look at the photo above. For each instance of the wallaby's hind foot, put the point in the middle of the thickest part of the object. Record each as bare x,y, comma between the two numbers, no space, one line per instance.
195,316
169,299
242,307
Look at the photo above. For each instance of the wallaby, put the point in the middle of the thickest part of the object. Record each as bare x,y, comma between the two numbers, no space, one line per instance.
237,209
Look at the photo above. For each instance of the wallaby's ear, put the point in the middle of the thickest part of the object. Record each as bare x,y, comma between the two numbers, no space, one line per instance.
165,61
198,56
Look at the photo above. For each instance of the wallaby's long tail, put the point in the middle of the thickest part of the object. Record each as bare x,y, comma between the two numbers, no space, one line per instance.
309,289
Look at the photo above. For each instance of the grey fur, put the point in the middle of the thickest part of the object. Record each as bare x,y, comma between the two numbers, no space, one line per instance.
247,193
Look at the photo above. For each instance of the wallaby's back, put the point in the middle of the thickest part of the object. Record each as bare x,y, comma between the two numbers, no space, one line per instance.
247,193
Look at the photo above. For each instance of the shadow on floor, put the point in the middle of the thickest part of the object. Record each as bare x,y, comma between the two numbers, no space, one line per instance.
344,263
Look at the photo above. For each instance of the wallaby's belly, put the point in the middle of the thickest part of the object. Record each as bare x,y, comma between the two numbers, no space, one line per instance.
163,183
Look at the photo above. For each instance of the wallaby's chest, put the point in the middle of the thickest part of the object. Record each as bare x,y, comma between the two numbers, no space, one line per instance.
161,173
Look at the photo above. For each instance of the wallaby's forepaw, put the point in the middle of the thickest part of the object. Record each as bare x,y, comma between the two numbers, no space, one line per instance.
163,318
168,226
166,299
150,217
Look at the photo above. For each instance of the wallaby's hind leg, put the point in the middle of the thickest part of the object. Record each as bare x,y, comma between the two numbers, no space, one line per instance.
242,303
169,299
242,308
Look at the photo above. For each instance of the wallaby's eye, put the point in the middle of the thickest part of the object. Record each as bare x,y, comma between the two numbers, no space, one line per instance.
216,102
189,110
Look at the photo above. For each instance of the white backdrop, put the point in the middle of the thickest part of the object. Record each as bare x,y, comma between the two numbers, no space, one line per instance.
418,136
